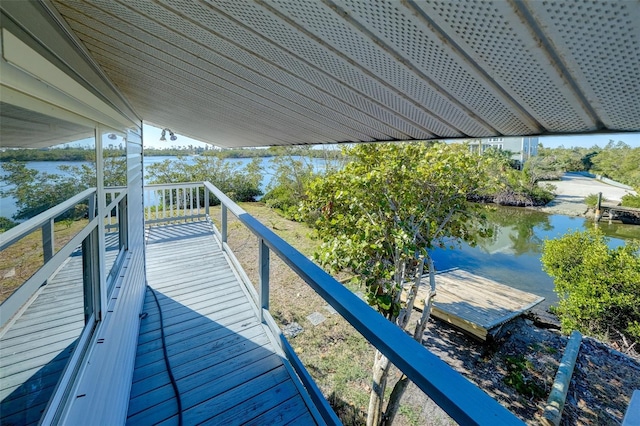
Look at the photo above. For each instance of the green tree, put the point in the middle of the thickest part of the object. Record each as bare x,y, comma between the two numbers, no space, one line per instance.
381,215
239,183
598,287
36,192
619,161
293,172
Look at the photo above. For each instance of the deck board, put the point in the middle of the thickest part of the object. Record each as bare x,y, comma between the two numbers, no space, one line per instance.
35,346
473,303
223,359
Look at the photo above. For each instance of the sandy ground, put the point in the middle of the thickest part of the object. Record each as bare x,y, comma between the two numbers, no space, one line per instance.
573,188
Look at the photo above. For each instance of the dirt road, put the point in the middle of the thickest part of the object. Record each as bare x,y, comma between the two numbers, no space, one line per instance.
573,188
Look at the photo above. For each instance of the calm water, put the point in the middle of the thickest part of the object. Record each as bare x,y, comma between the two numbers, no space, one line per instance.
511,256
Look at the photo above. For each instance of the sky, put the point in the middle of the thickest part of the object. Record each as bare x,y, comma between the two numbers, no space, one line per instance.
151,137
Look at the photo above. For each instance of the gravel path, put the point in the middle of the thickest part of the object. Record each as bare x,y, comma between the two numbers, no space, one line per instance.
573,188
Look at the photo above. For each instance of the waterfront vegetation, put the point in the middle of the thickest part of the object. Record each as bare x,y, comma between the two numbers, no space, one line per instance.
598,286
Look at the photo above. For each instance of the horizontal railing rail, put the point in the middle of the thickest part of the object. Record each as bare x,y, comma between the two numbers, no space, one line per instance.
52,260
461,399
22,230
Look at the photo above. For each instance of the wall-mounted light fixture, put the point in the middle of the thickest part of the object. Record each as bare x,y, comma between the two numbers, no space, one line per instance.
163,135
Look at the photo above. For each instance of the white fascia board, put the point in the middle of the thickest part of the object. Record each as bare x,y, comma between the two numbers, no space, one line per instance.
26,71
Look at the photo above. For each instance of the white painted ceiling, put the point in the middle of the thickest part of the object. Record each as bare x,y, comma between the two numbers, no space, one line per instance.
275,72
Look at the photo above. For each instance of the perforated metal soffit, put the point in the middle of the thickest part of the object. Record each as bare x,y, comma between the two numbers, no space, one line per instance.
273,72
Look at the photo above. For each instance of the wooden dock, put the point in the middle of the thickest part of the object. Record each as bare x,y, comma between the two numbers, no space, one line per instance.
475,304
227,365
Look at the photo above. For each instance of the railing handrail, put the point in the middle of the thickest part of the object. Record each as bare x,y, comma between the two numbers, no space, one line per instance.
172,185
462,400
20,231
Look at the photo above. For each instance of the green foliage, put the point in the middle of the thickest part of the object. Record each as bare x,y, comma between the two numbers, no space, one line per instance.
36,192
239,183
293,174
591,200
630,200
388,207
6,224
598,287
518,377
47,154
511,187
618,161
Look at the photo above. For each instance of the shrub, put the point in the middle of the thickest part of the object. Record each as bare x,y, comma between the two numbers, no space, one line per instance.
592,199
631,200
6,224
598,286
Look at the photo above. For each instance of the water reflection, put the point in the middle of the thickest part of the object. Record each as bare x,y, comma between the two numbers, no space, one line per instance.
512,254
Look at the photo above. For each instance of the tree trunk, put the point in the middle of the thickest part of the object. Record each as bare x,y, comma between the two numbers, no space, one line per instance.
401,385
381,366
394,400
428,303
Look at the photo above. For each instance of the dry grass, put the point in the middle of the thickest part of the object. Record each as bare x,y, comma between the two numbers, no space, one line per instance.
335,354
22,259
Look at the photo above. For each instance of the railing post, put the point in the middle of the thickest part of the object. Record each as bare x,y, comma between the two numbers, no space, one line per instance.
48,240
123,223
263,272
206,201
223,222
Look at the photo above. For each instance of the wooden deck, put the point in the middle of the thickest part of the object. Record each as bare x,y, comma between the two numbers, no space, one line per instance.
227,366
36,345
475,304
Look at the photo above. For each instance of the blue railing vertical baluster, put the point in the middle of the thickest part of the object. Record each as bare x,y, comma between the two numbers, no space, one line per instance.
263,271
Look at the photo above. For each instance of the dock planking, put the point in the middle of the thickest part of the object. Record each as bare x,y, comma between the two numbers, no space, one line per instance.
475,304
226,364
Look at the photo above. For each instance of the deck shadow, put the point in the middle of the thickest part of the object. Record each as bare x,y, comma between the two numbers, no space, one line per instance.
226,368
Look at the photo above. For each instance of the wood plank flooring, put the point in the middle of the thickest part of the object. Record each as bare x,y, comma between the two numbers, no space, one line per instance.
224,361
473,303
35,348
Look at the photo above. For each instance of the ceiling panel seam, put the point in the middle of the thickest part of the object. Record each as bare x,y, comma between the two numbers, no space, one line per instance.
176,91
270,99
529,120
253,54
337,114
407,64
416,107
320,73
196,92
598,43
322,125
494,36
554,58
342,83
362,70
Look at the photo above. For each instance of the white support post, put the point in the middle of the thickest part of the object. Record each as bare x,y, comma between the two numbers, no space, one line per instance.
206,201
263,271
223,222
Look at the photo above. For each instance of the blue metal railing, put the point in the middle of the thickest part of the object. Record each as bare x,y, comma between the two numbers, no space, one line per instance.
462,400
